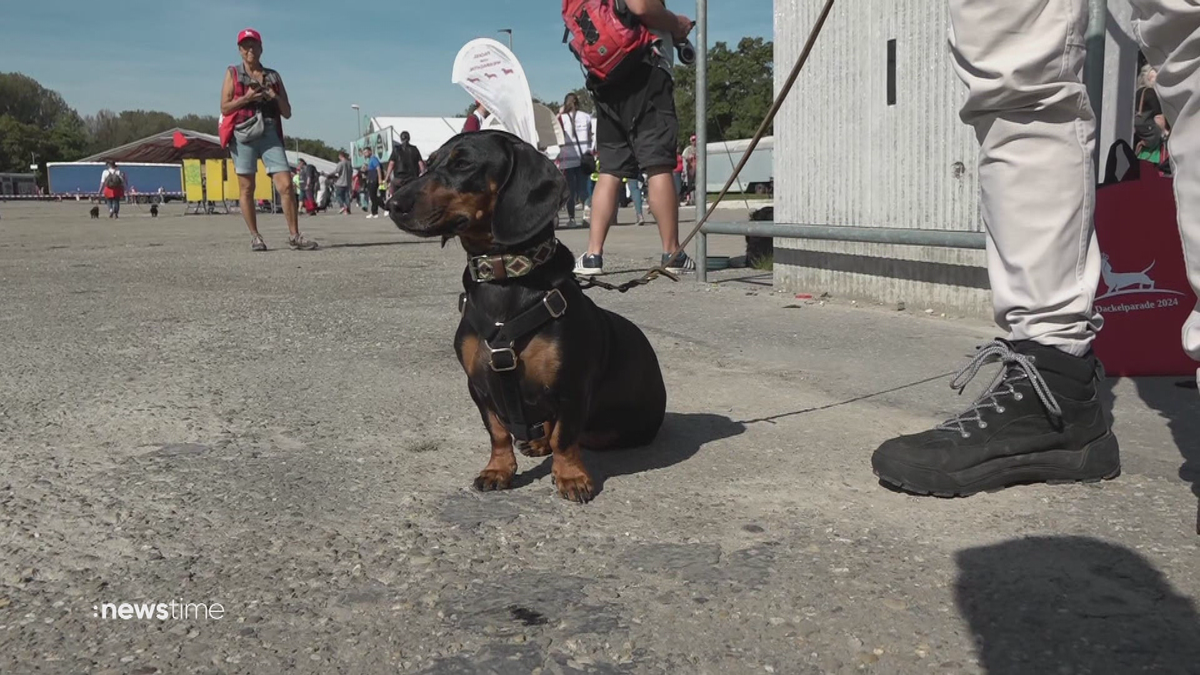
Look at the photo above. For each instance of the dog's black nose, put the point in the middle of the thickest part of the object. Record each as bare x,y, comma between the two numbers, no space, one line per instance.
402,202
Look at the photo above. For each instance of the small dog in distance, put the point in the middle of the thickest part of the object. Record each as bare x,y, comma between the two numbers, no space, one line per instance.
95,212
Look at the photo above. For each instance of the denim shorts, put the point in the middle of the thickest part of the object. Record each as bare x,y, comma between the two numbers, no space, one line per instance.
268,148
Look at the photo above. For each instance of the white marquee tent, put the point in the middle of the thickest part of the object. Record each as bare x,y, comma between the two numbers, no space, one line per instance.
428,133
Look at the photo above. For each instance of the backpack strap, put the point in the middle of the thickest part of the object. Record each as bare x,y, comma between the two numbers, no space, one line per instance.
270,77
239,87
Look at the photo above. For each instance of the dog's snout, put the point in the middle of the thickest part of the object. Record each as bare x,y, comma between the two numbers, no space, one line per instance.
402,202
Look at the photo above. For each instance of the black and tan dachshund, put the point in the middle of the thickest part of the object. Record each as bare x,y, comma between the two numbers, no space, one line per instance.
587,378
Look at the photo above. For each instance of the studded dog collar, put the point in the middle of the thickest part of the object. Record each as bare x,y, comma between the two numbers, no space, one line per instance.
486,268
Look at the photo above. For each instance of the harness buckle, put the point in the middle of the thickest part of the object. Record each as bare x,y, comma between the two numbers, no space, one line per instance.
481,270
507,361
555,303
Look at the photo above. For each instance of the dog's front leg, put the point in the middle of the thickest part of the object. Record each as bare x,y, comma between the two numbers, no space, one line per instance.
571,477
502,467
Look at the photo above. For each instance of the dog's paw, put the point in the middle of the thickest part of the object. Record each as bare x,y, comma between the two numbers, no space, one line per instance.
534,448
577,488
490,480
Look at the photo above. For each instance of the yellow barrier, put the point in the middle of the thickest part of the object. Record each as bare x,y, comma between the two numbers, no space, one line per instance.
193,181
232,191
262,183
214,170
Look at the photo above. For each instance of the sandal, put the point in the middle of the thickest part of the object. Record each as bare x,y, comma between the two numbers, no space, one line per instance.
257,243
299,243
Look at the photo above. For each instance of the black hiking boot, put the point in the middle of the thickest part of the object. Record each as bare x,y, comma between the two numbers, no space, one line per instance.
1040,421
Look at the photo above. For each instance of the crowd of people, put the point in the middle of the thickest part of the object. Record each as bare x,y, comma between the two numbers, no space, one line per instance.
627,148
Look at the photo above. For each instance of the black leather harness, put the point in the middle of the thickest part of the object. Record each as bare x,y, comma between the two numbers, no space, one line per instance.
500,339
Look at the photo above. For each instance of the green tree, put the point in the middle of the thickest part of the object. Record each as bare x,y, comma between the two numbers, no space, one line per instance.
28,102
67,139
741,85
36,121
110,130
18,143
586,103
314,148
205,124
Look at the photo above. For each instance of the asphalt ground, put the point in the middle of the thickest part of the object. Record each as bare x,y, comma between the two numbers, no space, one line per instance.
289,435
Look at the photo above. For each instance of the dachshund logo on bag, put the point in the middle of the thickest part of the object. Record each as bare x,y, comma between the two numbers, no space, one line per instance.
1117,284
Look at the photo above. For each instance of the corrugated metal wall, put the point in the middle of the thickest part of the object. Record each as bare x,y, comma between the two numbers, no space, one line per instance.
1120,77
844,156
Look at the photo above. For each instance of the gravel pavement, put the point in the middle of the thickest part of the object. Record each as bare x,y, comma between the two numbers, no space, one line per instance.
288,435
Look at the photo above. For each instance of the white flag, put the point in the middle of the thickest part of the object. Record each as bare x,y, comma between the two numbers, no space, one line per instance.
491,74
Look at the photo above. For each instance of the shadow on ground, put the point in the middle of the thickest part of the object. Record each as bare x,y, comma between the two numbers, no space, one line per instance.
764,279
1175,401
1180,407
373,244
680,438
1074,605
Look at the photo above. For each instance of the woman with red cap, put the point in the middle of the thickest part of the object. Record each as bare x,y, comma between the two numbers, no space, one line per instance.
254,104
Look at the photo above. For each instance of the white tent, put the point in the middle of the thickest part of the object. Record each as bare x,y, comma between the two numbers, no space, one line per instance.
324,166
428,133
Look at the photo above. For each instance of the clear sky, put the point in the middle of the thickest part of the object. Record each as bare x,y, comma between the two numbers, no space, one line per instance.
391,57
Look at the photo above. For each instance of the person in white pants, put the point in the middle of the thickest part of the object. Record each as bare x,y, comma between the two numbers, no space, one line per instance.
1041,419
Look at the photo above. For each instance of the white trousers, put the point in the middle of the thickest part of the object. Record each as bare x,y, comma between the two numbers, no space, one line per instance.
1022,61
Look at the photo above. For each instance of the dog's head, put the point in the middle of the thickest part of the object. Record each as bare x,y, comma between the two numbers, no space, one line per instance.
490,189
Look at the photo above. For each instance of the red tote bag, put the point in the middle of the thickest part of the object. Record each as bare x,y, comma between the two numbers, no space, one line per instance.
1144,293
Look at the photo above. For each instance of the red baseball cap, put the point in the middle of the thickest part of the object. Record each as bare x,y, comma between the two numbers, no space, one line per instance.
249,34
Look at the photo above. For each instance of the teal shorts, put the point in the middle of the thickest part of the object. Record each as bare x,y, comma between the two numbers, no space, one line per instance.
268,148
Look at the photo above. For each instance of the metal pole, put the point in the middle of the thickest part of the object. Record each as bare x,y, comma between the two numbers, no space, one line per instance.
358,119
1093,69
872,235
510,36
701,188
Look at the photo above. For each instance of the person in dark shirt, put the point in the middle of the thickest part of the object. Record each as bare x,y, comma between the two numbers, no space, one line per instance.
374,176
342,178
309,181
406,164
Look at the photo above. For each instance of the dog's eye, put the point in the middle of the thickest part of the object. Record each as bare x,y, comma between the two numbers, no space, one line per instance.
460,164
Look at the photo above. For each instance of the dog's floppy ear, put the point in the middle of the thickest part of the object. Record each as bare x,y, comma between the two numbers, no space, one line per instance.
531,197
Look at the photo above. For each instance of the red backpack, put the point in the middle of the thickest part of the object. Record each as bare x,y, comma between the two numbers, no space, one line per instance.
607,41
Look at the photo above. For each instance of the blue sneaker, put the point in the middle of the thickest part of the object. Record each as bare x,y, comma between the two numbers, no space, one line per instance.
589,264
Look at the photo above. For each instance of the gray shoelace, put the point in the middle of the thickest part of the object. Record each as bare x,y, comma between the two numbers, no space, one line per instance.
1014,368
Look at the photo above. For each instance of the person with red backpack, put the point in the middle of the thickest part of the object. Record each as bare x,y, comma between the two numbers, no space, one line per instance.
254,104
624,47
112,186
